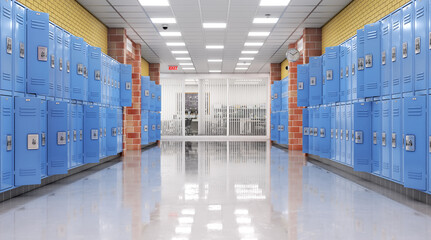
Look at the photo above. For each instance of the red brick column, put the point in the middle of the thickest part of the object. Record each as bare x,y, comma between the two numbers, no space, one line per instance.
117,40
155,72
312,43
275,72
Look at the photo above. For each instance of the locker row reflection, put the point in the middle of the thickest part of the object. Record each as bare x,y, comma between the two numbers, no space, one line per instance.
279,111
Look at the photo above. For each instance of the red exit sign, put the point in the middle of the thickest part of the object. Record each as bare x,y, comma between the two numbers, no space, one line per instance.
173,68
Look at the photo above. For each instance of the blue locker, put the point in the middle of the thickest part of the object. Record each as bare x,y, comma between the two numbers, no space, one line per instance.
376,147
305,131
57,137
316,131
66,64
360,35
325,125
85,73
6,44
37,49
362,126
343,80
333,127
353,69
145,98
69,130
7,143
77,68
109,79
284,94
159,98
120,130
302,83
331,68
91,133
421,45
104,78
159,127
343,133
72,136
144,127
79,134
43,138
277,96
372,52
94,74
311,131
51,59
338,133
111,125
126,85
347,74
396,51
27,148
386,56
315,83
154,127
386,137
415,148
348,133
397,141
19,45
407,47
102,132
283,127
59,63
151,135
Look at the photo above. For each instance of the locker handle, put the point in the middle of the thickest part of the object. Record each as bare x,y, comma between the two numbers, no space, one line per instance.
394,140
21,50
429,144
9,143
410,143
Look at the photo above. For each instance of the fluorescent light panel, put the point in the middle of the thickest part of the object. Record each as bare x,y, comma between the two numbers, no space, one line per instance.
215,71
170,34
186,64
274,3
253,44
188,68
246,58
214,25
265,20
244,64
241,68
163,20
183,58
214,46
215,60
154,3
249,52
175,44
258,34
180,52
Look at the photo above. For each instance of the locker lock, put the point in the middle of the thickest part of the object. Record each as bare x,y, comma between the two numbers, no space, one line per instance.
336,133
60,64
332,133
21,50
9,45
341,134
410,143
328,75
359,137
347,135
42,54
153,127
305,131
74,135
361,64
375,138
315,132
9,143
146,128
368,61
312,81
147,93
97,75
300,85
384,139
394,140
417,45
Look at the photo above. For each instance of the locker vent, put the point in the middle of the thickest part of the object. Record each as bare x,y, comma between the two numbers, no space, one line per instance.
77,46
42,112
27,112
414,175
6,77
407,79
376,113
348,49
396,112
361,161
386,165
77,90
37,81
325,115
371,86
385,83
7,111
6,12
36,24
79,114
51,35
396,81
59,40
372,35
58,113
362,114
414,111
51,85
396,25
386,30
19,19
354,46
66,43
361,39
361,88
73,113
95,55
19,79
331,54
407,19
59,87
57,164
66,89
420,76
27,172
420,12
6,176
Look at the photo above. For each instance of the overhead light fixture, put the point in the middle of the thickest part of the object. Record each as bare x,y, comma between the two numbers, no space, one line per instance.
244,64
241,68
258,34
253,44
214,46
189,68
180,52
265,20
215,71
249,52
186,64
175,44
183,58
163,20
154,3
214,25
215,60
246,58
170,34
274,3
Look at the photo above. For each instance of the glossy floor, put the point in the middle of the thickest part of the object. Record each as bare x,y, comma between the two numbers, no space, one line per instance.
211,190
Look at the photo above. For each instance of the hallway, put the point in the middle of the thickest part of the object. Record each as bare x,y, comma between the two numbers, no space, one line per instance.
211,190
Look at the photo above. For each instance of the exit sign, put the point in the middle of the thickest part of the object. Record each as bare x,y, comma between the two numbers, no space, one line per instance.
173,68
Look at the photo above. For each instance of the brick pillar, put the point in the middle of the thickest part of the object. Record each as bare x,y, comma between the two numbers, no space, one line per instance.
155,72
275,72
312,43
117,41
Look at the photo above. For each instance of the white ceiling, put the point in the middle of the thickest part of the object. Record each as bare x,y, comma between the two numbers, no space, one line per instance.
238,14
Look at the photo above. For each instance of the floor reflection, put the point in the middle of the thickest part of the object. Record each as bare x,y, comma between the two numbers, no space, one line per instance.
210,190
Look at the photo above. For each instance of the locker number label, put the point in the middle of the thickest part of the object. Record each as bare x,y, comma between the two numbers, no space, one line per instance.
9,45
410,143
328,75
33,141
8,143
313,81
360,64
128,85
300,85
417,45
94,134
42,54
61,138
21,50
394,140
97,75
368,61
394,54
405,50
359,137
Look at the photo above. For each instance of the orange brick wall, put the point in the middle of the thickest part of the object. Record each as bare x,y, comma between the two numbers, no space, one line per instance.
275,72
155,72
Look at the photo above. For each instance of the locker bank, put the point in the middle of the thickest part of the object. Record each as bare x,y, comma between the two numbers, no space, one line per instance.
199,119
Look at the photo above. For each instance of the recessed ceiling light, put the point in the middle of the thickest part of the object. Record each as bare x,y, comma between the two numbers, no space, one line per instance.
148,3
265,20
249,52
170,34
163,20
215,60
186,64
183,58
214,25
243,64
188,68
180,52
214,46
241,68
258,34
175,44
272,3
246,58
215,71
253,44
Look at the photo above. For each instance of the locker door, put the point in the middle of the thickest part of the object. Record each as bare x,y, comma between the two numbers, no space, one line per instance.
286,133
126,85
91,134
386,139
347,134
415,142
315,81
407,47
37,52
19,47
59,63
69,131
51,60
274,125
104,78
284,136
362,147
333,127
397,140
305,130
27,148
338,134
159,97
72,136
6,44
80,133
144,122
303,85
277,95
386,56
66,63
57,137
353,68
343,133
145,100
284,94
7,143
120,130
360,34
76,68
325,125
331,70
153,127
311,131
94,74
111,122
85,72
396,51
343,82
102,146
43,138
376,139
421,44
372,52
347,73
316,130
